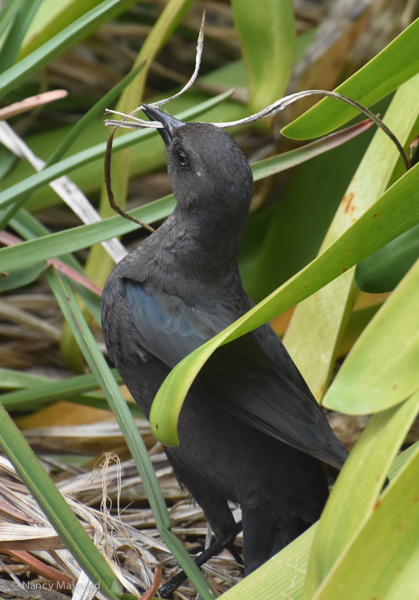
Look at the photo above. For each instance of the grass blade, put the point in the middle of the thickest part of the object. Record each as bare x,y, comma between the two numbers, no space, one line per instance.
35,61
55,507
100,369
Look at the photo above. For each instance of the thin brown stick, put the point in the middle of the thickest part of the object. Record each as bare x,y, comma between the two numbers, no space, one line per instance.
114,205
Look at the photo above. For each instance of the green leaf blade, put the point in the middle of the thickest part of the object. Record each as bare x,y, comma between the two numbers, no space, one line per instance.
272,22
397,63
381,370
357,488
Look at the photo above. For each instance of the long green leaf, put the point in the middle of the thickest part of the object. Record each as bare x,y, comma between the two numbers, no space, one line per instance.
395,212
55,245
52,18
272,22
384,269
397,63
357,489
326,313
8,11
382,368
45,391
55,507
17,32
385,553
296,226
283,575
32,63
11,379
102,372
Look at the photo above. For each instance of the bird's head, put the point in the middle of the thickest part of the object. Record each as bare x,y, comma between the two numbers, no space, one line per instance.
207,170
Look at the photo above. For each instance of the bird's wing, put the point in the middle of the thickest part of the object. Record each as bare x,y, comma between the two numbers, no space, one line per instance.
268,392
252,377
166,326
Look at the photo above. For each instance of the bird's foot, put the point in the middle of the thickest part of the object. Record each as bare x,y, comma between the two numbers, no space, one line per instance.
166,590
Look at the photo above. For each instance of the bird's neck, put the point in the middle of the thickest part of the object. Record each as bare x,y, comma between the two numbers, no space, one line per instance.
201,245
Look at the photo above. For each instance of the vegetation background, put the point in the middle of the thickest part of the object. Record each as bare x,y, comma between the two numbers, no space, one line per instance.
319,210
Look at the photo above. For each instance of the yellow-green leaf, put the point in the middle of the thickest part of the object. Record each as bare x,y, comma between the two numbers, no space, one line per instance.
397,63
382,368
326,313
267,38
357,489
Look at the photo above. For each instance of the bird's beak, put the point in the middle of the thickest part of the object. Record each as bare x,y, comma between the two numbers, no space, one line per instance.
169,123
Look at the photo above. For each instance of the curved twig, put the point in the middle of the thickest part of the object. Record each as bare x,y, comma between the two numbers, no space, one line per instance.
284,102
114,205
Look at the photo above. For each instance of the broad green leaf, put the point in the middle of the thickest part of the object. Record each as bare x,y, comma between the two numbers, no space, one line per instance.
55,507
35,61
282,577
272,22
357,489
397,63
104,377
384,269
395,212
326,313
382,560
382,368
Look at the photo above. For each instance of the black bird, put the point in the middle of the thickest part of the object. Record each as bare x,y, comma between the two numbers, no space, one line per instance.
250,430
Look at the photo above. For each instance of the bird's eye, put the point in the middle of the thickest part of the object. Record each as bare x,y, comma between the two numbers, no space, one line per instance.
181,158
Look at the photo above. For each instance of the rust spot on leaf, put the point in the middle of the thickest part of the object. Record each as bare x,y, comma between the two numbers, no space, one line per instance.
373,216
347,203
377,504
348,250
415,499
157,425
304,287
400,527
393,387
344,269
